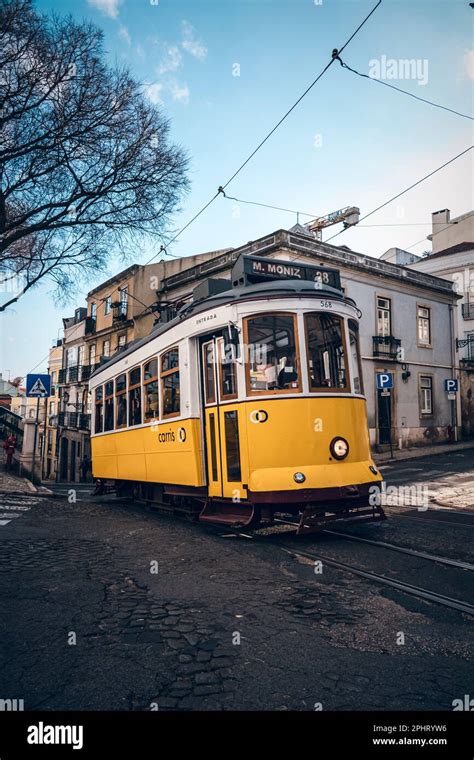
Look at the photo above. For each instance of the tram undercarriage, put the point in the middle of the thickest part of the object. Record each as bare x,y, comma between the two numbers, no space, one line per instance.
259,511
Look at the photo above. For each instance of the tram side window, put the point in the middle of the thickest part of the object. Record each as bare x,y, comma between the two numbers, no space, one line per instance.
272,362
326,360
99,409
109,406
170,383
134,397
121,400
150,388
355,355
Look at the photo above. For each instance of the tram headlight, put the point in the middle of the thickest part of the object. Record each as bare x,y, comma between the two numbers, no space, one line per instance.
339,448
299,477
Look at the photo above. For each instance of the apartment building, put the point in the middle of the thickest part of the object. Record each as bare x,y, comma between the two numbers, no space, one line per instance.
51,441
453,259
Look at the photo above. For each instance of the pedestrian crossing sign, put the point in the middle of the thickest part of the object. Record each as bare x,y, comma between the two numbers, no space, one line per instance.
38,386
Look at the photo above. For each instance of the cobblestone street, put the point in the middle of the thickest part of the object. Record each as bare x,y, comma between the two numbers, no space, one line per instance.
108,605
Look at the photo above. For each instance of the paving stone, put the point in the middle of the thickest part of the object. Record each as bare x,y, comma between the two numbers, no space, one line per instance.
191,638
221,662
205,678
204,690
167,703
209,645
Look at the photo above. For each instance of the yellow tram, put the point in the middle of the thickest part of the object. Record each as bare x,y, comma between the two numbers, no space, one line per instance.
248,403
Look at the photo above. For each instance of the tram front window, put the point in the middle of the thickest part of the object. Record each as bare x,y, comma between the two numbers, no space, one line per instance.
272,363
326,355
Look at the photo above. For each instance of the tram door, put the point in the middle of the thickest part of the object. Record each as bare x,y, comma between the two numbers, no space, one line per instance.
223,435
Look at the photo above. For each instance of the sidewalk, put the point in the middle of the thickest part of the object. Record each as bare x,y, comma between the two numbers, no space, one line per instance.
10,483
422,451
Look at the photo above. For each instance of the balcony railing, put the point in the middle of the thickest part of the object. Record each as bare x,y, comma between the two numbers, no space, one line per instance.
468,310
466,346
76,420
385,346
79,373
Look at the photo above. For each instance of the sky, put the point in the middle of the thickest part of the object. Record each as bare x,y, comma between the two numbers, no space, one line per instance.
225,71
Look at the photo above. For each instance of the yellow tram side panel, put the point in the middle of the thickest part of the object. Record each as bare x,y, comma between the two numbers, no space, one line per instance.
170,452
296,437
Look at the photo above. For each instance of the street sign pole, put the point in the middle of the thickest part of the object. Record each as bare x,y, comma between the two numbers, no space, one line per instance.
35,439
389,417
38,386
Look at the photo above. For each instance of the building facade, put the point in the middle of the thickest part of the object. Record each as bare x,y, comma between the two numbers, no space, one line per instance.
74,407
407,330
455,263
51,440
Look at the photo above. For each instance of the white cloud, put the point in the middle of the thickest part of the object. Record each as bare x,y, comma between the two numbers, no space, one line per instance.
469,63
107,7
153,93
124,34
179,93
191,44
171,61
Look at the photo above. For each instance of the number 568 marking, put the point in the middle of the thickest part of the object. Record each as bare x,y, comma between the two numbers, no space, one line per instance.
325,304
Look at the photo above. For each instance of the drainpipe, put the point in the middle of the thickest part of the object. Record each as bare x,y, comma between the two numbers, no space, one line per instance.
454,404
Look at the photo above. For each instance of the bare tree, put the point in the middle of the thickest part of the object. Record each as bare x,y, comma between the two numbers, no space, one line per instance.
86,166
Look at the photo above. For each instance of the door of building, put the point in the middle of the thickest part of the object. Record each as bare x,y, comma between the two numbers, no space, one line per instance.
385,413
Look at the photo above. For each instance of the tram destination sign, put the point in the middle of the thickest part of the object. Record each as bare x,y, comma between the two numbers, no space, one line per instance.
249,270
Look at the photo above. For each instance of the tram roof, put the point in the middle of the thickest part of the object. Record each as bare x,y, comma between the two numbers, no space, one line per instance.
275,287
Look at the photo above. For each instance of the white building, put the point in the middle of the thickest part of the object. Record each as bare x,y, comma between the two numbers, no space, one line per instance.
453,259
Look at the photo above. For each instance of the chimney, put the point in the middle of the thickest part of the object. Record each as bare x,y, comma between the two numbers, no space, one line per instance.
439,219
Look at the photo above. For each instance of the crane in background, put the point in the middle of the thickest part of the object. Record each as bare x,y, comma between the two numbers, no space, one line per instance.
348,215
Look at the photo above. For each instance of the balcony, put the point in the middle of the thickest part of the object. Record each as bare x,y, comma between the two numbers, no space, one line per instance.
75,420
79,373
468,310
467,361
385,347
87,370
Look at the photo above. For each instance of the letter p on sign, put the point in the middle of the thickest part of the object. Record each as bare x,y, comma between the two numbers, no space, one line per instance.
451,386
384,380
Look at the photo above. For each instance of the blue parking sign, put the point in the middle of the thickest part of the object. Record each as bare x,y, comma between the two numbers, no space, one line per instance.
38,386
384,380
451,385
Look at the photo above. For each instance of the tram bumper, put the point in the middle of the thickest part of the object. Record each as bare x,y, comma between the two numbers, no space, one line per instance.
325,495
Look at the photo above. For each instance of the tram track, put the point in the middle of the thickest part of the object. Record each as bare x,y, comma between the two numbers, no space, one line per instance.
392,547
457,524
408,588
382,580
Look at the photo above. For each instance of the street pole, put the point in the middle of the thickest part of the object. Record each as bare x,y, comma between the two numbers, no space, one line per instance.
35,439
389,416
